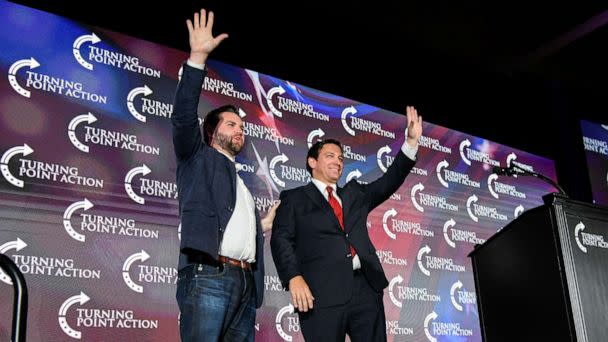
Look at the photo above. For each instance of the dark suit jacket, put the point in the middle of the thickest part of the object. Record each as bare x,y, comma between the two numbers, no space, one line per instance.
206,182
307,239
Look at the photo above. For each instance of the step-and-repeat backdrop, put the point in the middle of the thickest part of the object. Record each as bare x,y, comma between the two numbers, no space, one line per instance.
595,140
89,201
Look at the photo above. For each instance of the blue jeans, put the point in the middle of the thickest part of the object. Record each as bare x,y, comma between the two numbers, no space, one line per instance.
216,303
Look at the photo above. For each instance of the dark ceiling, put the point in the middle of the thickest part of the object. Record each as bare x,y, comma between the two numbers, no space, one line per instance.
518,73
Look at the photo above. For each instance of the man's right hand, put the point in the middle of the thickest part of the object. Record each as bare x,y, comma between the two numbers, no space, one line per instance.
202,41
301,297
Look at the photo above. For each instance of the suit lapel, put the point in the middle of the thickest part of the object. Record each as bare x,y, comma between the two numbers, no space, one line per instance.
317,198
346,208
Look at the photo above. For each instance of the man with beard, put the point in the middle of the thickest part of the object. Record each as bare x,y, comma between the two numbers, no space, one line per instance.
221,265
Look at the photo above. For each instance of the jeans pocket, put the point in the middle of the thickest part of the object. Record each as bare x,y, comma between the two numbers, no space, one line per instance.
206,271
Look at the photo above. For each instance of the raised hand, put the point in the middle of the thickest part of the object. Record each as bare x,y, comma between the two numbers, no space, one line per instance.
202,41
414,126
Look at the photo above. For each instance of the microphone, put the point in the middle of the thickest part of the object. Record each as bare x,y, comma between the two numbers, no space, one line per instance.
516,170
504,171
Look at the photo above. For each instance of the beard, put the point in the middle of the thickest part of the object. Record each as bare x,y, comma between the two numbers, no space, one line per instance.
225,142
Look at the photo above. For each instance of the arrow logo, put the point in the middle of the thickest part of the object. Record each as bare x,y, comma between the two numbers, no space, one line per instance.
397,280
81,299
67,215
464,144
424,250
88,118
137,91
276,90
427,321
579,228
510,158
6,157
279,318
17,245
448,224
389,213
348,111
457,285
280,158
141,256
518,211
144,170
381,151
317,133
76,48
416,188
12,74
353,174
442,164
470,200
492,178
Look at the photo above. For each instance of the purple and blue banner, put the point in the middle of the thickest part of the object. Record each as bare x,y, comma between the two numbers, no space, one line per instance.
89,209
595,141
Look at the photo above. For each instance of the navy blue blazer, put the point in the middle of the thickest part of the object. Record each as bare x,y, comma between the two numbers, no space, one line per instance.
206,182
307,239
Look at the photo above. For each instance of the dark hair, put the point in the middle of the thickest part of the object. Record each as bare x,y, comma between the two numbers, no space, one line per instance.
213,118
313,151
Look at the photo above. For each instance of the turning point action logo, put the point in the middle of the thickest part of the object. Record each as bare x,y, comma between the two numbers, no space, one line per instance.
293,322
98,318
361,124
143,170
432,328
400,226
17,245
467,154
49,83
293,106
459,297
444,176
104,137
43,171
426,262
286,172
429,200
111,58
147,273
588,239
477,210
398,293
102,224
382,151
451,234
6,157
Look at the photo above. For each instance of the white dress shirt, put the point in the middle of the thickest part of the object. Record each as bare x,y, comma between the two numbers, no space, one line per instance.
239,237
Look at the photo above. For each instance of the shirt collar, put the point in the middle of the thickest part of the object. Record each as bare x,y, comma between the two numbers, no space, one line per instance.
232,159
322,186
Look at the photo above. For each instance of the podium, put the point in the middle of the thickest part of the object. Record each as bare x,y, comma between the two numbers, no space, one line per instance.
544,276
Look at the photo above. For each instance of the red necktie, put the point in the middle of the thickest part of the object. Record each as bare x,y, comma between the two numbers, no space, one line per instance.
335,205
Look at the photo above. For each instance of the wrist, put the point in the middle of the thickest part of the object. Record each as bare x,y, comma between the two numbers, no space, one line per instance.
198,57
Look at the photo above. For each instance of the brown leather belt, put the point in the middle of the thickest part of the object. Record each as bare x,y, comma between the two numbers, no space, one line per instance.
238,263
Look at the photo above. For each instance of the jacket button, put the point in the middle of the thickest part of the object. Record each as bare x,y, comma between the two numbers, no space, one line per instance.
349,255
346,235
